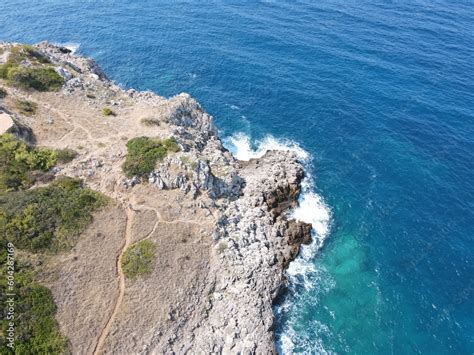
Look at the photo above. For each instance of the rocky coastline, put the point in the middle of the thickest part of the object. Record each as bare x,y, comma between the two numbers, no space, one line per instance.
220,225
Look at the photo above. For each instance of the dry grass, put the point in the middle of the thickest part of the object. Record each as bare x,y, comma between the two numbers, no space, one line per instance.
150,121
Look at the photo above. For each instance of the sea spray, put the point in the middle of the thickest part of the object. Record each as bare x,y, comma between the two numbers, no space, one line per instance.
242,148
73,47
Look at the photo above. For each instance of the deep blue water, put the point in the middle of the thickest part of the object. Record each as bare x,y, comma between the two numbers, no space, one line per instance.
381,96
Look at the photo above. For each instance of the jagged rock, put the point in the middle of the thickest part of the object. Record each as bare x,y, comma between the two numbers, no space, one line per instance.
260,242
131,182
202,177
185,111
64,73
21,131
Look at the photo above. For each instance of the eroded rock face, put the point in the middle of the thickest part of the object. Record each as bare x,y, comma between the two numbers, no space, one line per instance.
255,244
237,213
186,112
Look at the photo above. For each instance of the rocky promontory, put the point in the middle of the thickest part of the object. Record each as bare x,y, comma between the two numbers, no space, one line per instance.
218,227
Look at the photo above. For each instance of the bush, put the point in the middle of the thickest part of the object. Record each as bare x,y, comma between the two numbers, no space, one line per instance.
39,75
48,218
171,145
138,259
107,112
25,107
36,329
18,162
144,152
38,78
65,155
20,53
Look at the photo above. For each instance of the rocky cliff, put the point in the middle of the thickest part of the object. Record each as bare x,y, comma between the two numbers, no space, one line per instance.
220,227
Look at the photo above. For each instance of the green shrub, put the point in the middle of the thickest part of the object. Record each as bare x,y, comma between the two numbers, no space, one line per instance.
144,152
3,93
48,218
66,155
4,68
18,162
38,78
36,329
138,259
39,75
171,145
107,112
26,107
20,53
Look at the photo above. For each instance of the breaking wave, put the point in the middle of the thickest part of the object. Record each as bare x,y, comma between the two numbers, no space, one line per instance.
73,47
242,148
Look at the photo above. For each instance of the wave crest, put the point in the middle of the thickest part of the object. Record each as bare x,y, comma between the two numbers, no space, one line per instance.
242,148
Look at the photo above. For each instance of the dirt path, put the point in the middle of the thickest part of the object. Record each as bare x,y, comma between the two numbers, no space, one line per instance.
67,119
127,241
64,117
121,276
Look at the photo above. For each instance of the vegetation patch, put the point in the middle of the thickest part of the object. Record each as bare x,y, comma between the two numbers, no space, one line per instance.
36,329
19,54
38,75
20,163
138,259
185,159
144,152
171,145
41,79
48,218
108,112
150,121
65,155
26,107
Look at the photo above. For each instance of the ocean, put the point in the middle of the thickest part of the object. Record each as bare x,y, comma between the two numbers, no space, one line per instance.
378,101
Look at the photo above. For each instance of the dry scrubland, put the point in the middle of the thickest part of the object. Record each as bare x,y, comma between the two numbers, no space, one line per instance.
136,231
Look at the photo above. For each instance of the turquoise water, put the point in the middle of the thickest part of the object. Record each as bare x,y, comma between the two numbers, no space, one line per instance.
381,97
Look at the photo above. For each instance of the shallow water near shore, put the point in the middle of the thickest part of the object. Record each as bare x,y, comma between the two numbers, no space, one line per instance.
378,99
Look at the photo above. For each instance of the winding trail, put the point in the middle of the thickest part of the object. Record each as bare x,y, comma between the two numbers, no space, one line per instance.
127,242
128,235
64,117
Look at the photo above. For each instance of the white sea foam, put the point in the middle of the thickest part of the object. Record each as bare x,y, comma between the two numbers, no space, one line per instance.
241,147
311,209
306,343
73,47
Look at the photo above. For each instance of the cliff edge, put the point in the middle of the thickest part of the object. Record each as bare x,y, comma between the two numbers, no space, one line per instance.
216,227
